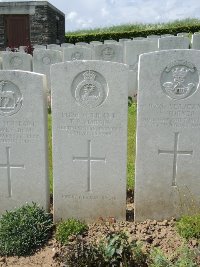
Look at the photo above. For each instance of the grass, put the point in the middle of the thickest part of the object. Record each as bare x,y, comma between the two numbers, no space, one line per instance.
138,26
131,147
50,152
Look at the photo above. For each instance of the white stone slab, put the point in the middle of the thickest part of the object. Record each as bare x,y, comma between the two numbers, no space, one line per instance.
109,52
166,35
39,47
174,42
110,41
139,38
23,140
168,135
81,43
16,61
67,45
77,53
89,120
96,43
43,59
183,34
196,41
54,47
153,36
132,50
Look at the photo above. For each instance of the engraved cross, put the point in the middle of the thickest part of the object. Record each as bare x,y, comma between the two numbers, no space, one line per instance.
89,159
9,166
175,152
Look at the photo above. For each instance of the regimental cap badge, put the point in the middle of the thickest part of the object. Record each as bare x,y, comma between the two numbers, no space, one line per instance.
89,76
179,79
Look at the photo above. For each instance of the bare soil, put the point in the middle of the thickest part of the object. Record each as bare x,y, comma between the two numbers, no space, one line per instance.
151,233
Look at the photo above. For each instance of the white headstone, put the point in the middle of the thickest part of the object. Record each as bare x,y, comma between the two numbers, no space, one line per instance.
89,99
139,38
166,35
39,47
23,140
16,61
168,135
67,45
77,53
174,42
132,50
153,36
95,42
183,34
43,59
196,41
109,52
54,47
110,41
81,44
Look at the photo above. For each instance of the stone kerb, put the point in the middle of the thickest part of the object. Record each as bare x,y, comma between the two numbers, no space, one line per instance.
16,61
89,121
23,140
167,177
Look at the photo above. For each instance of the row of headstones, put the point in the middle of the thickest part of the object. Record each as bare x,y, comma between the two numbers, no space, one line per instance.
195,42
89,122
115,52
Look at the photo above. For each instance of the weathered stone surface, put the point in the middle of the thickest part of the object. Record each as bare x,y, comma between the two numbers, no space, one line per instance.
16,61
132,50
109,52
196,41
77,53
168,135
174,42
43,59
89,100
54,47
23,140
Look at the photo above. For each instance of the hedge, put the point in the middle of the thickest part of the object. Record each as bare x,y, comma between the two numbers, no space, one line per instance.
129,34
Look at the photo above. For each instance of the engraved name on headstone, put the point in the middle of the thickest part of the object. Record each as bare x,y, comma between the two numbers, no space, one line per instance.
23,140
89,99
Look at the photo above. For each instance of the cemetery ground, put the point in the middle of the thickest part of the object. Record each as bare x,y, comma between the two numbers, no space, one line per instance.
155,244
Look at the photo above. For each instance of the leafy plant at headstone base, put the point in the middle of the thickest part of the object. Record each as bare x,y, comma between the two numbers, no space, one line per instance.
68,228
83,254
158,259
118,251
183,257
113,251
23,230
189,226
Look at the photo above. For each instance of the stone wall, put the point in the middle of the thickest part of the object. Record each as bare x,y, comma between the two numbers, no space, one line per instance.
2,31
44,26
47,23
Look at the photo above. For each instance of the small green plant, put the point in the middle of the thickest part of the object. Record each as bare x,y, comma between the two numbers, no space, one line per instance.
189,226
113,251
68,228
158,259
83,254
182,257
24,230
118,251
